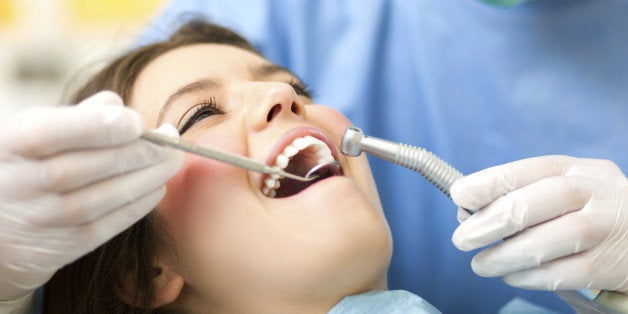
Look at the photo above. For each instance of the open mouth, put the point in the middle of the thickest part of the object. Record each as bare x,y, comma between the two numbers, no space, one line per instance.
299,157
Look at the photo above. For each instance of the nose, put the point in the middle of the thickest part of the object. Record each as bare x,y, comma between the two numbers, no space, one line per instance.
273,101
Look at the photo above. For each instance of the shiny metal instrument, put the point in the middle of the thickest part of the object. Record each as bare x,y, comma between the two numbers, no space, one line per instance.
434,169
236,160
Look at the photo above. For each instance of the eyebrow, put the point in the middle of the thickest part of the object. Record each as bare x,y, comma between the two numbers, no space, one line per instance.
203,84
268,69
263,70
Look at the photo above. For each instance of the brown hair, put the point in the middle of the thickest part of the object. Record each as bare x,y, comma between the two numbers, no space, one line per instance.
89,284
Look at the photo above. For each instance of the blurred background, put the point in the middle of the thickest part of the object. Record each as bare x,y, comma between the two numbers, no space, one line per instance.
44,44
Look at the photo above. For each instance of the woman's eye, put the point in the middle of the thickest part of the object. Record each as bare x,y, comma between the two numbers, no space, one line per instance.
203,111
300,88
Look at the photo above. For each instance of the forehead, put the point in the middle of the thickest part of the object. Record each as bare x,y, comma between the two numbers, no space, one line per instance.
202,58
184,65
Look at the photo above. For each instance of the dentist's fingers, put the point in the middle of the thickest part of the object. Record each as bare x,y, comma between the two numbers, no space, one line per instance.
98,121
562,220
573,272
65,172
93,234
599,169
555,275
91,202
563,236
523,208
481,188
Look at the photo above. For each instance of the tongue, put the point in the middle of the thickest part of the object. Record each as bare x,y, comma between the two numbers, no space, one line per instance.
301,163
289,187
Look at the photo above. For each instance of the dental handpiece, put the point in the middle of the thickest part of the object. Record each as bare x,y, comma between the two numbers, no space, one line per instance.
434,169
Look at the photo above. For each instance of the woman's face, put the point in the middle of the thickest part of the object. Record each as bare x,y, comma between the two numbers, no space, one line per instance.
235,239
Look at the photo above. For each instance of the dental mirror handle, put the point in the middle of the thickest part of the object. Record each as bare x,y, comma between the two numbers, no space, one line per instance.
238,161
435,170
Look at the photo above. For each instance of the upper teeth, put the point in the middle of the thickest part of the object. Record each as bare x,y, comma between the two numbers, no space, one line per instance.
323,153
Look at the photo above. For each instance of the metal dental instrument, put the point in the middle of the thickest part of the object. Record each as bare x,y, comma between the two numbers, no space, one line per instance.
232,159
331,167
434,169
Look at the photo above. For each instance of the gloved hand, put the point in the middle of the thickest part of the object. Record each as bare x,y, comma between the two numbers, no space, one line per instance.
70,179
564,221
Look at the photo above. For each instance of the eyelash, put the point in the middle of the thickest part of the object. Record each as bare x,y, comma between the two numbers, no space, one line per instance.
300,88
211,107
208,108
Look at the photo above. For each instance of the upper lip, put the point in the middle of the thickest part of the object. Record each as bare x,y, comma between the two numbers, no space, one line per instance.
288,137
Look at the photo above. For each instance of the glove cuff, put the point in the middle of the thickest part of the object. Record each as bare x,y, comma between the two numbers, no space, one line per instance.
605,302
25,304
615,301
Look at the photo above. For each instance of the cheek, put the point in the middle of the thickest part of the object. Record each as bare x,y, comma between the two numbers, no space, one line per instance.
193,188
199,182
177,193
332,121
335,124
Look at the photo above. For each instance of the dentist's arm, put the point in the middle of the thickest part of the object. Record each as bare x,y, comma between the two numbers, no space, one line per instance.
564,221
71,178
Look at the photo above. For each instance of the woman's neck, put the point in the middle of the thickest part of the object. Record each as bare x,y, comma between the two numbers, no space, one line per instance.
320,302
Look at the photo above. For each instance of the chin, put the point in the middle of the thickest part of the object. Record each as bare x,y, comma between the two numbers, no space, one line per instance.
361,256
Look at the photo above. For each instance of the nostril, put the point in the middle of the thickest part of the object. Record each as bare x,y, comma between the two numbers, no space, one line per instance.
274,111
295,109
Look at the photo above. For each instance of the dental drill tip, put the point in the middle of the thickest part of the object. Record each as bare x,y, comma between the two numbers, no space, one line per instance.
351,144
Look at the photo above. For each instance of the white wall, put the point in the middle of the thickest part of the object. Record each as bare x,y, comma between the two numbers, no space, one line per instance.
43,43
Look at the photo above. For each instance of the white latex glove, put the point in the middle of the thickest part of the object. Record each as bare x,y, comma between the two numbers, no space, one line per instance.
71,178
564,221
